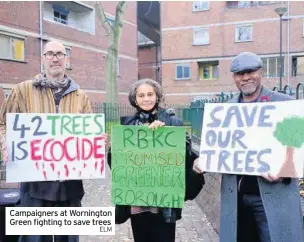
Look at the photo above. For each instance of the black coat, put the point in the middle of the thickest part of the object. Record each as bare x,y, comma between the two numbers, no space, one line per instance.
194,182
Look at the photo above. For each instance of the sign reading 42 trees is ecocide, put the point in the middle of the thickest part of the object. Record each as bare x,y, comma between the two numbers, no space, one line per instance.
45,147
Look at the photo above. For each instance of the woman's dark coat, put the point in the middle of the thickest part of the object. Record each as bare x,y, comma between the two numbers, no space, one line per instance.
194,182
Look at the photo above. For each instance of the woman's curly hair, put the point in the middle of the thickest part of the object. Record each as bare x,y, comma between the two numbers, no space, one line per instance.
157,88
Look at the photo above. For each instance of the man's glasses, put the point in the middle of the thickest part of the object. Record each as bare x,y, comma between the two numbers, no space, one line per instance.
50,55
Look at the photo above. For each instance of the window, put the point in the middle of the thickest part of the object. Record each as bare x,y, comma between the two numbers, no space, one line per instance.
200,36
243,33
182,72
11,48
261,3
244,4
60,14
271,67
6,93
68,57
208,70
143,40
298,66
247,4
72,14
200,6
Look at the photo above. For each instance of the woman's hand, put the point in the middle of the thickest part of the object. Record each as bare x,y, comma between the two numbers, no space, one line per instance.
156,124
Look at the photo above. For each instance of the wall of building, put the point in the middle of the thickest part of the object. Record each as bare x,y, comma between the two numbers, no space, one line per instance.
88,48
177,44
147,63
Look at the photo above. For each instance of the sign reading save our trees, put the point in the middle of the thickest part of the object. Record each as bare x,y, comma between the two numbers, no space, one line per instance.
148,166
44,147
253,138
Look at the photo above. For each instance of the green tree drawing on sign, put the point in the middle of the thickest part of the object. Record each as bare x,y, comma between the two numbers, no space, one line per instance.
290,132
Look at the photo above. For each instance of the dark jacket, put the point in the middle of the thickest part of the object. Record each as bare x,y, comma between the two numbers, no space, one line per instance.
194,182
281,200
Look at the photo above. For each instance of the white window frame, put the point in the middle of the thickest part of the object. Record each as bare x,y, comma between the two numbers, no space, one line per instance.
277,67
7,92
236,34
196,41
11,38
183,65
201,9
292,66
60,20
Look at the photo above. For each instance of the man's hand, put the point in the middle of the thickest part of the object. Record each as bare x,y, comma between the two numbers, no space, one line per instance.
197,166
156,124
4,153
272,178
107,141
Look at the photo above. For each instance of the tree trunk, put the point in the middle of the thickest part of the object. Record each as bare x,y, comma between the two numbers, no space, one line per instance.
112,56
114,34
288,168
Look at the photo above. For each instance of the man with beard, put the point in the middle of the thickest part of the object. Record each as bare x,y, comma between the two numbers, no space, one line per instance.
52,91
257,208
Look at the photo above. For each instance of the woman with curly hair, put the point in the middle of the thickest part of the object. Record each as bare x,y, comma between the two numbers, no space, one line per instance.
155,224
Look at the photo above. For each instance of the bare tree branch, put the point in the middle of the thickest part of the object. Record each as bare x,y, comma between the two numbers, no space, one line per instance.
120,8
102,17
114,35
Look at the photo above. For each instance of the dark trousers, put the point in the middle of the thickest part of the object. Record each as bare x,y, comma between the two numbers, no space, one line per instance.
28,201
252,220
149,227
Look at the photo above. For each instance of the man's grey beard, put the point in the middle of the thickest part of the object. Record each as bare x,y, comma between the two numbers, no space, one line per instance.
250,93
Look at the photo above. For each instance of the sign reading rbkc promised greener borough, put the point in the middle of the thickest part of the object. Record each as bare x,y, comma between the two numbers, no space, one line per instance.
148,166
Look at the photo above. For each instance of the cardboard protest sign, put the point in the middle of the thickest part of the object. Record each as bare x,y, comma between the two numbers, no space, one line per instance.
148,166
45,147
253,138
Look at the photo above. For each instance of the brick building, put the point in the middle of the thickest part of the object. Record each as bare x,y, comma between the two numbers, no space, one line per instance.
200,38
25,26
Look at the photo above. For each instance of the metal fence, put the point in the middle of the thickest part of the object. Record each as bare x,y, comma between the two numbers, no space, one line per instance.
113,112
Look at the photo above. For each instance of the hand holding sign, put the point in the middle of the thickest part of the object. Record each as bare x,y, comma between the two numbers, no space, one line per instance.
106,138
254,139
156,124
271,178
198,166
4,150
